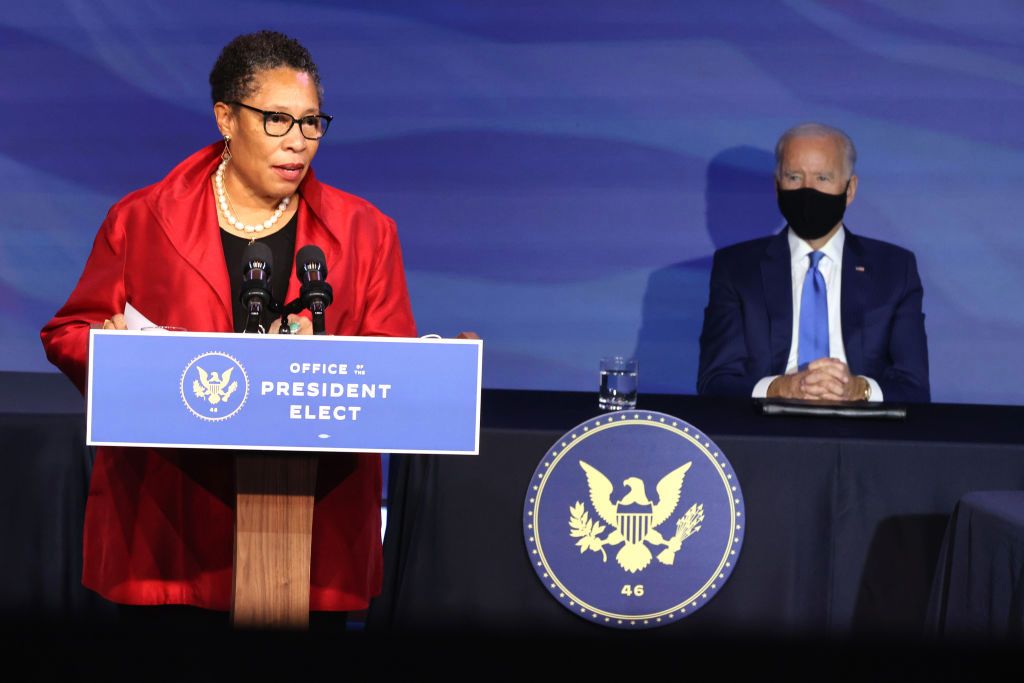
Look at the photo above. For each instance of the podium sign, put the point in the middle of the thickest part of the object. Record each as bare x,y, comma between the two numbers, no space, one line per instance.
284,392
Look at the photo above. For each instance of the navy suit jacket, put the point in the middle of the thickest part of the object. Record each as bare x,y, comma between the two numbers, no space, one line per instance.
748,323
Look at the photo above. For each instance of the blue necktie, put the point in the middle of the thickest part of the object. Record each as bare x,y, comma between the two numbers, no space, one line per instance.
813,342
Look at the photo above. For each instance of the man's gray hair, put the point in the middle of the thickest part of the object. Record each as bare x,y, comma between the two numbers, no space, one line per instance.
817,130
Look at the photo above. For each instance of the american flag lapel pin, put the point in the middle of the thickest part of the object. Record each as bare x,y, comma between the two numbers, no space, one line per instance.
859,269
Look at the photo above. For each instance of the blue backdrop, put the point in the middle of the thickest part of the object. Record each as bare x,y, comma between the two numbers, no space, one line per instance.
560,171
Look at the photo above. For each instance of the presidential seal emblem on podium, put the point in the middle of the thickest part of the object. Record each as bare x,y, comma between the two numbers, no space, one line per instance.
215,392
634,519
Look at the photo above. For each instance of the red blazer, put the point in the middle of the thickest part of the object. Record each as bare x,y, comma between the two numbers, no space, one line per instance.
158,524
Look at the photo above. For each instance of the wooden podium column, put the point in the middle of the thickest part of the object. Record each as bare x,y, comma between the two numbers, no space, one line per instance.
273,534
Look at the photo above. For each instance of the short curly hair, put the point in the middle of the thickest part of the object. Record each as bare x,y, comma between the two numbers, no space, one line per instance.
233,77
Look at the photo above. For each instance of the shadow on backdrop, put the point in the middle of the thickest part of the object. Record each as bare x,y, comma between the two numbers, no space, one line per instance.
739,205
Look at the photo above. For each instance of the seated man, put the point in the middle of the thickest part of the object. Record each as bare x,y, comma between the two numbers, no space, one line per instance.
815,312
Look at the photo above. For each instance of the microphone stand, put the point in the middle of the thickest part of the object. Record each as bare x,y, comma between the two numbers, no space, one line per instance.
316,296
316,293
318,310
252,323
291,307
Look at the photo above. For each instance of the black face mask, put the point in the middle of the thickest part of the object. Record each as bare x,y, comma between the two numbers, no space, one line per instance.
811,213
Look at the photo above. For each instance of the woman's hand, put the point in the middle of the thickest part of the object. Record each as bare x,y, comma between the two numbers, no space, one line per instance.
305,325
115,323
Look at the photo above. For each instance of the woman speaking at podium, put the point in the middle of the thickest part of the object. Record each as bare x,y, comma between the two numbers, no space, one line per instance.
158,526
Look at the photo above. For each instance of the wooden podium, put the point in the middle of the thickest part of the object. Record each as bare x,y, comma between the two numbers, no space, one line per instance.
273,540
281,401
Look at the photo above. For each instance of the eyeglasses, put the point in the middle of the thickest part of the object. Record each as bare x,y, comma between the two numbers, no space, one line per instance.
278,123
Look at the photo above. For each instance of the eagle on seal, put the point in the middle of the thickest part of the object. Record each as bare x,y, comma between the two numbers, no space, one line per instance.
214,387
634,517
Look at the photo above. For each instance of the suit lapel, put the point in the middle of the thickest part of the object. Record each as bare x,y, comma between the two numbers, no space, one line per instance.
852,304
188,216
776,278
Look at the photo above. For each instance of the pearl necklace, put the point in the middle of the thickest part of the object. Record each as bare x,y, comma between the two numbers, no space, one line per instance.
222,199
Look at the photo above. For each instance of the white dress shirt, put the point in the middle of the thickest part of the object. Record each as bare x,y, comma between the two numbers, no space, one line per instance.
831,267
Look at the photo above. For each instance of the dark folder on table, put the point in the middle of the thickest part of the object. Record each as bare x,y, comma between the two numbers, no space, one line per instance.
792,406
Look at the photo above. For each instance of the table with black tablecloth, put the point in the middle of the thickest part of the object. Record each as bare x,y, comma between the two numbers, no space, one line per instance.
845,517
45,482
978,591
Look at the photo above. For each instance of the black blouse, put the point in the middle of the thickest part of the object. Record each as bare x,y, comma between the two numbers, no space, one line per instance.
282,246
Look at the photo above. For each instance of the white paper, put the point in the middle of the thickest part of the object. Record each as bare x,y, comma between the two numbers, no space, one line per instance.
135,320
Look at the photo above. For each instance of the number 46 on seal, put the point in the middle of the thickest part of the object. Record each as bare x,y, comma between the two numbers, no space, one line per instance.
633,591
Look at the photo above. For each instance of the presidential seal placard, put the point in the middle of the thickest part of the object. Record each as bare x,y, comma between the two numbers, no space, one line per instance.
209,390
634,519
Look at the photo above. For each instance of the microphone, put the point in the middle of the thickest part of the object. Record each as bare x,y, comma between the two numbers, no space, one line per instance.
257,265
316,293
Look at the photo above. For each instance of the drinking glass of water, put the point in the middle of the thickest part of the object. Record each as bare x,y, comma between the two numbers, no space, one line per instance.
618,383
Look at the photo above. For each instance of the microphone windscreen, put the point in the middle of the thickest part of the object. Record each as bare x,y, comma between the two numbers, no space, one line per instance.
311,259
257,252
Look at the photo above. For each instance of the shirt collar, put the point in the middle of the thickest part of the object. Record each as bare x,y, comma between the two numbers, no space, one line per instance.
833,249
